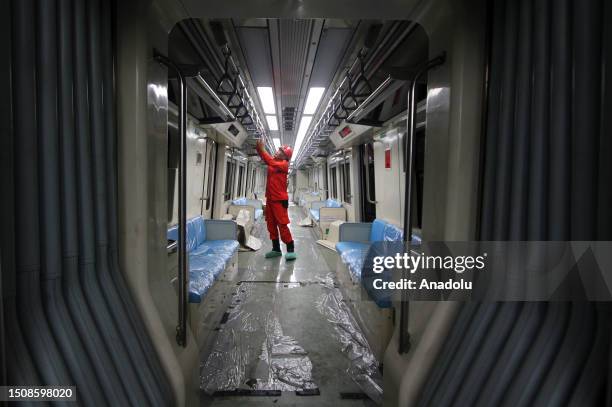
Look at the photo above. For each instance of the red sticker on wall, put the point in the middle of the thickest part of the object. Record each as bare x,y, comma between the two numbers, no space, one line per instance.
388,158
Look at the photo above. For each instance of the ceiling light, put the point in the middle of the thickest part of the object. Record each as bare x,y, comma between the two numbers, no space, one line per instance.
267,99
272,123
276,143
299,138
313,99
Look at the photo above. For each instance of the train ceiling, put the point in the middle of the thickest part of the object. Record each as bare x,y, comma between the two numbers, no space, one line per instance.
280,63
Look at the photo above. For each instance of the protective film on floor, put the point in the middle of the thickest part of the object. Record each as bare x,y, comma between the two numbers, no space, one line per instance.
288,336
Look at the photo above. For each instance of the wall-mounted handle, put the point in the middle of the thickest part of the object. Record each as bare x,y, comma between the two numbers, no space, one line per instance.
183,276
404,337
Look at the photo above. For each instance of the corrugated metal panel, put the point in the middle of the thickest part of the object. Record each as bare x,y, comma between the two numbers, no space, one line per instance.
294,41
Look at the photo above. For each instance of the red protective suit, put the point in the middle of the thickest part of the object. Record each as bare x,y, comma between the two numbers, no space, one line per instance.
277,218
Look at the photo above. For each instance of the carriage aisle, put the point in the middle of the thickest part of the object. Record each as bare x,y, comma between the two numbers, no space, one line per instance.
287,338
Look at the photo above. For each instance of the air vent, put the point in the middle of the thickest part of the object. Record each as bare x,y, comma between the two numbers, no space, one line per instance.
289,118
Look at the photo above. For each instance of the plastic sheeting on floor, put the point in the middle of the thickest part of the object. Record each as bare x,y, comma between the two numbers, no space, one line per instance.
251,351
363,365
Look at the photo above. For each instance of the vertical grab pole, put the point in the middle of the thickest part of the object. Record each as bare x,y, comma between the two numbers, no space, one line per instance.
404,338
181,328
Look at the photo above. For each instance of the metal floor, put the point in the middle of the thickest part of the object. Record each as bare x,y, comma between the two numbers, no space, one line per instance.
285,302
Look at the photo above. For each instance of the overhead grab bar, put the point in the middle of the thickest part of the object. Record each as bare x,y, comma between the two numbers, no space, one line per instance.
362,106
183,276
404,337
216,97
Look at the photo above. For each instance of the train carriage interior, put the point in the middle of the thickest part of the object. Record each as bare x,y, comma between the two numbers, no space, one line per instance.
136,212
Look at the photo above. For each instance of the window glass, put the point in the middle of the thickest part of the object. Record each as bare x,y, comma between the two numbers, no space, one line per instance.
347,181
229,170
212,160
239,188
334,183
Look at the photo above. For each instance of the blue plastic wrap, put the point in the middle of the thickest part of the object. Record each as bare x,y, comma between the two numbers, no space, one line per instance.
314,214
208,263
223,249
192,240
200,230
377,232
353,254
258,214
240,201
392,233
200,282
332,203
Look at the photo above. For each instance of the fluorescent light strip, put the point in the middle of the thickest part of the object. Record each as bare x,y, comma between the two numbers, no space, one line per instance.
272,123
299,138
267,99
276,143
312,101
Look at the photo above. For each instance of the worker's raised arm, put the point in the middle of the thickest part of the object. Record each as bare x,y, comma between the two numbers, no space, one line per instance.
261,150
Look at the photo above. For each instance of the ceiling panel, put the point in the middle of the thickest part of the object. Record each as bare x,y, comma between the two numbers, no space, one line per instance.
294,41
331,49
256,48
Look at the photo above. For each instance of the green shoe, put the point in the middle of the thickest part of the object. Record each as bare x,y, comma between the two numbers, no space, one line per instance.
273,253
290,256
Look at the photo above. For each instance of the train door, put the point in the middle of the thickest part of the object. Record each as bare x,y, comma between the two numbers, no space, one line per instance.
367,183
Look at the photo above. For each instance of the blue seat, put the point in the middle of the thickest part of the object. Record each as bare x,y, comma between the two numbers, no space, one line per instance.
199,283
250,202
314,213
208,263
222,248
239,201
332,203
207,258
354,253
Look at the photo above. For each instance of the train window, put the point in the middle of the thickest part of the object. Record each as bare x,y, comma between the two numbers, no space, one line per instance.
229,171
346,181
210,175
334,183
239,187
252,182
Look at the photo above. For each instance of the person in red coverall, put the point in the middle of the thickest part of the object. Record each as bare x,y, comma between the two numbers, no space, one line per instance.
277,200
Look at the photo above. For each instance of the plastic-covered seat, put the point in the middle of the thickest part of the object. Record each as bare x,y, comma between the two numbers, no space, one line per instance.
258,214
224,249
208,263
207,258
354,253
332,203
314,213
199,284
239,201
